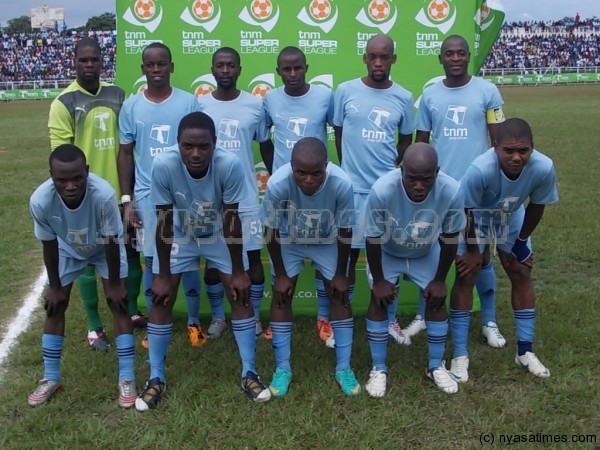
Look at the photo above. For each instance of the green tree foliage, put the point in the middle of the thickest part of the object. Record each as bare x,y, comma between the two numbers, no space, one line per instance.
18,25
103,22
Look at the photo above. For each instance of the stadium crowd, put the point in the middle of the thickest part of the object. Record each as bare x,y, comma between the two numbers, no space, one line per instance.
521,45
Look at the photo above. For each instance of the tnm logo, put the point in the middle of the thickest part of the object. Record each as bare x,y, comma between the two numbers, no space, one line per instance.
380,14
160,133
202,13
319,13
379,117
144,13
100,119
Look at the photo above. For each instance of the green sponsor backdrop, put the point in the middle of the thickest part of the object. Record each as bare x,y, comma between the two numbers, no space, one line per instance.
29,94
333,35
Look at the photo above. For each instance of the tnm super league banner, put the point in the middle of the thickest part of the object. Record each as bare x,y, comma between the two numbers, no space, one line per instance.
332,33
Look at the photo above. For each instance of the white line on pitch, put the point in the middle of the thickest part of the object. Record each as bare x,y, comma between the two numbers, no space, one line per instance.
21,321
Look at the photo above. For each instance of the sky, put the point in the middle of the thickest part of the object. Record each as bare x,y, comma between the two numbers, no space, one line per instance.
77,11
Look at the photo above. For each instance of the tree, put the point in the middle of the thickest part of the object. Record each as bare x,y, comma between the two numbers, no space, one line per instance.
103,22
19,25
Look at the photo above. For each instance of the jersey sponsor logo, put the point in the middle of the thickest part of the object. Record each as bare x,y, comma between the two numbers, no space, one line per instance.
319,13
227,134
78,236
297,125
100,119
310,224
144,13
160,133
456,114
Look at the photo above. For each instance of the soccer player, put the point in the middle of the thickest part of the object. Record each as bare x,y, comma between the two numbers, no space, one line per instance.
86,114
201,185
459,113
415,215
496,186
368,112
76,216
308,213
297,110
239,119
147,125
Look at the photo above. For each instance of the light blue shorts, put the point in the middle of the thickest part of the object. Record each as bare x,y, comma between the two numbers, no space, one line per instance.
146,236
70,268
420,271
323,258
358,230
500,233
186,253
251,229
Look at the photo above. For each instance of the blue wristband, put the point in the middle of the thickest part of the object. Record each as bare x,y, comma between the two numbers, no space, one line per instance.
521,250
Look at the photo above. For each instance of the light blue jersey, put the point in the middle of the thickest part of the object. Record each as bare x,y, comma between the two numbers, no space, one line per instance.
153,128
493,195
197,203
295,118
371,119
409,229
457,119
79,231
303,219
238,122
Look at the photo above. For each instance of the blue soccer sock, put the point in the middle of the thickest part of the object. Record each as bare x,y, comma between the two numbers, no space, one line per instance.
343,331
322,300
159,338
436,342
147,280
282,344
392,309
256,295
459,324
191,287
215,294
126,356
525,325
52,345
244,331
486,288
377,335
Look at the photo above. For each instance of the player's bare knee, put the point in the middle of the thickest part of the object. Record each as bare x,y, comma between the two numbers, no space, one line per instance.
519,274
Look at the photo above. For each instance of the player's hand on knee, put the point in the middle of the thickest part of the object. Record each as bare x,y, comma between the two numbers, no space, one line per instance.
468,263
239,288
338,289
435,294
56,300
283,290
130,216
162,291
384,293
521,250
116,297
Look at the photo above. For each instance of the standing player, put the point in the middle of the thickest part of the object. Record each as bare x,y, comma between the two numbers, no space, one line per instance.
308,213
415,214
368,113
458,113
239,119
86,114
496,186
202,186
147,125
297,110
77,218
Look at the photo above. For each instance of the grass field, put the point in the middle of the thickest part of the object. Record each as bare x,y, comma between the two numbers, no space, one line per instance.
204,407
